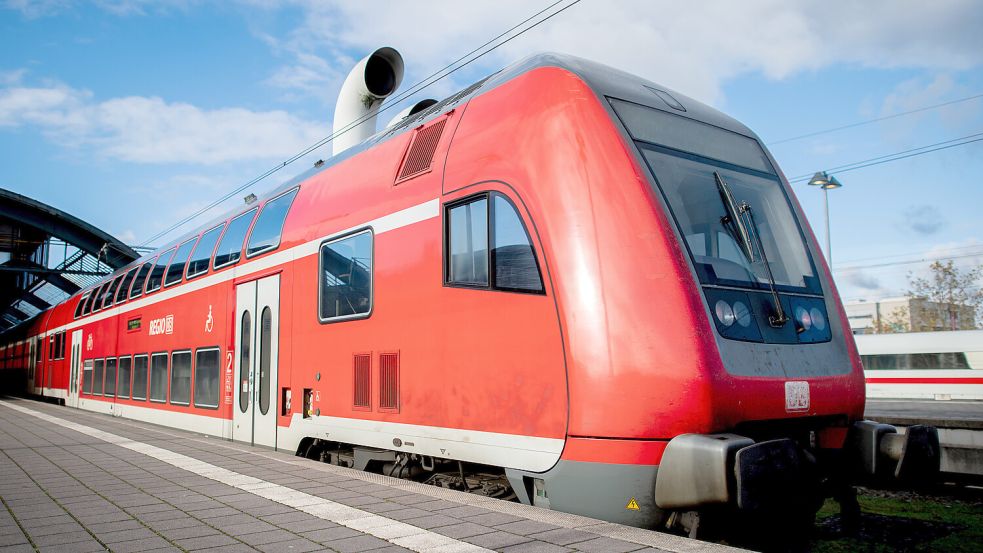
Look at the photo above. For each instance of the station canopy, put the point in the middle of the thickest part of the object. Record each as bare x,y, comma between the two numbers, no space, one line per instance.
46,255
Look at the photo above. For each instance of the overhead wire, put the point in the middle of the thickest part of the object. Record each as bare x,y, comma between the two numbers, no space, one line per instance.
904,154
875,120
420,85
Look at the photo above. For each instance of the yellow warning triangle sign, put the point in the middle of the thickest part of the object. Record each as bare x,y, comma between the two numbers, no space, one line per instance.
632,505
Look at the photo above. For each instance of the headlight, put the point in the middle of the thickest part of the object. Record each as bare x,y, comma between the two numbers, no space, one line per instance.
724,312
817,318
803,319
742,313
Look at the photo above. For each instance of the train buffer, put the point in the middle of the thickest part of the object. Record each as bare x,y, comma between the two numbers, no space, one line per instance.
77,481
959,423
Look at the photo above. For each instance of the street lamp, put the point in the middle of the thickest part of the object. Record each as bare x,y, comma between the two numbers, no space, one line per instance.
823,180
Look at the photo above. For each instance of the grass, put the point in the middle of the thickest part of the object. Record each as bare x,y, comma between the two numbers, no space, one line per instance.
905,521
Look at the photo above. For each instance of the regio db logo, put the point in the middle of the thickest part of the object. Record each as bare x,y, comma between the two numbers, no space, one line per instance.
163,325
796,396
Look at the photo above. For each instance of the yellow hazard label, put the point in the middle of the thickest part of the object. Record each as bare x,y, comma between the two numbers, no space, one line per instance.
632,505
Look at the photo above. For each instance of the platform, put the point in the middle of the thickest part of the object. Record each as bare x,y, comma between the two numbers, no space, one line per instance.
77,481
960,425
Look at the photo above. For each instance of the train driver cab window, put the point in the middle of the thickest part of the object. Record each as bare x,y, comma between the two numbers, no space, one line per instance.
345,277
202,254
230,248
137,289
156,277
269,224
471,227
175,272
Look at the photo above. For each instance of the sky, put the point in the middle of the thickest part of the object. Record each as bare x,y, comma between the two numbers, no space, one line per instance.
133,114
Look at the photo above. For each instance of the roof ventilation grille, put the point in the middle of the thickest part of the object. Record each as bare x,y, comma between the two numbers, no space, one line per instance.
419,155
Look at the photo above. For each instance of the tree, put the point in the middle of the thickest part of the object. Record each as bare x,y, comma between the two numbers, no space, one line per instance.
951,298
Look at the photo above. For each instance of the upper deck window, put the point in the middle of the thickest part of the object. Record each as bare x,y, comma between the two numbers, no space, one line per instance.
111,292
137,289
269,224
202,254
81,304
490,219
124,287
156,277
230,248
90,303
175,272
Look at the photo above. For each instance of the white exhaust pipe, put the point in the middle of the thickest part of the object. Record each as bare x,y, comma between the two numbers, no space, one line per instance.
411,110
371,81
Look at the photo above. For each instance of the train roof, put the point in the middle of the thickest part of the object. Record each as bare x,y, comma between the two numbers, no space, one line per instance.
604,80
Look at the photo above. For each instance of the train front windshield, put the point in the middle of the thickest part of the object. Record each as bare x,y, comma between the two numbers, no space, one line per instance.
692,163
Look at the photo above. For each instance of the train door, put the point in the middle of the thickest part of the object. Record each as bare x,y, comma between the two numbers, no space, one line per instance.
74,369
257,337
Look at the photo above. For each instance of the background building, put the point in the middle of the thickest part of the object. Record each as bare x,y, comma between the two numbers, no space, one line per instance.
908,314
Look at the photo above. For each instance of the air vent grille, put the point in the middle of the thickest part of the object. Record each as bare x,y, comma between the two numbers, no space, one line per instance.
439,107
361,397
419,155
389,382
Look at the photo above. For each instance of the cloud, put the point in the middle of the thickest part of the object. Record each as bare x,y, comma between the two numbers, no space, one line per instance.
694,50
922,219
863,280
34,9
151,130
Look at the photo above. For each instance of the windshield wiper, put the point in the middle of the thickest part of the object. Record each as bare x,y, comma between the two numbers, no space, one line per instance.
743,220
736,225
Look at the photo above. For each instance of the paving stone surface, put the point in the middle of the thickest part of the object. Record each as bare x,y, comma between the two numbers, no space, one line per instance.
63,489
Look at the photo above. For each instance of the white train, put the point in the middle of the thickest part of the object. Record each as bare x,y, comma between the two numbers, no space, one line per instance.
923,365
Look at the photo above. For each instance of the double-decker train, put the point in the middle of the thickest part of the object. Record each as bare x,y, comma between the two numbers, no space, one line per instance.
564,283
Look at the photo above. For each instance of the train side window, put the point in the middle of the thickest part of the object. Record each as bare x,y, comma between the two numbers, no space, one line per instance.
244,361
81,304
87,377
60,345
202,254
156,277
512,256
124,366
107,299
467,255
175,272
137,289
97,298
87,308
97,374
207,370
230,248
110,390
140,376
158,377
474,224
124,287
181,377
269,224
346,277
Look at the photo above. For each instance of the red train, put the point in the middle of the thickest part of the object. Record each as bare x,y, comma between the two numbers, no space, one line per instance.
564,282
